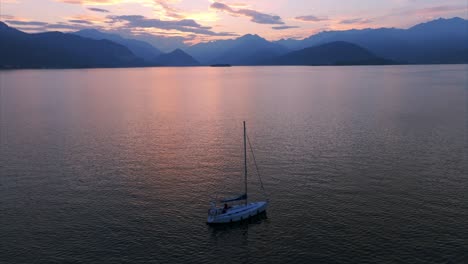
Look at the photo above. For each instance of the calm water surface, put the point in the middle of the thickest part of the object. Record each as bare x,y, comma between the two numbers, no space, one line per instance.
361,164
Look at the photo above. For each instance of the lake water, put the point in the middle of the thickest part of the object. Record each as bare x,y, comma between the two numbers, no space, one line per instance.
361,164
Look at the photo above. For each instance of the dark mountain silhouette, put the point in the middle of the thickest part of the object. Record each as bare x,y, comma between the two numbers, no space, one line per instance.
140,48
176,58
246,50
334,53
437,41
59,50
3,26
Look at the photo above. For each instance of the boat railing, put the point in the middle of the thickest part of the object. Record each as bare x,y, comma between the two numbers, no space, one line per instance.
214,211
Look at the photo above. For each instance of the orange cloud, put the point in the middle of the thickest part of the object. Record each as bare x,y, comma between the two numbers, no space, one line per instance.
89,18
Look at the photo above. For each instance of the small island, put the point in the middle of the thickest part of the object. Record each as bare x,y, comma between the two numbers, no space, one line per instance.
221,65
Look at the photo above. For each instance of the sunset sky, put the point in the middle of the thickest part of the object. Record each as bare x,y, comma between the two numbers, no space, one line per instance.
192,21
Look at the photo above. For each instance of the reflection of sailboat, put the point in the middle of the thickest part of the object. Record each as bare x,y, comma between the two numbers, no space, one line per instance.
238,212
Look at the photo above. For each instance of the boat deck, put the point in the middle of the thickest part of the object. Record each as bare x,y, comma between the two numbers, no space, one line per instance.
237,213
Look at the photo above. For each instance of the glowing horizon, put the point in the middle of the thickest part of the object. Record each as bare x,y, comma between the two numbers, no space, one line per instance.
193,21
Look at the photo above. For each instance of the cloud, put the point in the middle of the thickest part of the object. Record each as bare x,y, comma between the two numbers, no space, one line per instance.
37,26
98,9
30,29
284,27
80,21
141,21
169,10
355,21
90,2
163,40
87,19
425,13
65,26
436,10
255,16
25,23
73,23
183,25
310,18
6,16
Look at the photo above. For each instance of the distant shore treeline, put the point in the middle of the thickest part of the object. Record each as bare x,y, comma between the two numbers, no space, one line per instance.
441,41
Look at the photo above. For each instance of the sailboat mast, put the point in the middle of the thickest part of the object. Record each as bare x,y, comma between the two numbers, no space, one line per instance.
245,162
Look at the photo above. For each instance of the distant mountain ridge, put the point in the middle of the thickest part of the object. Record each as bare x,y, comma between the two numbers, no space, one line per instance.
84,49
140,48
144,50
176,58
333,53
436,41
246,50
60,50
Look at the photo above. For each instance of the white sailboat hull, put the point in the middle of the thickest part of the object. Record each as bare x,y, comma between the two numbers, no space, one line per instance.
236,213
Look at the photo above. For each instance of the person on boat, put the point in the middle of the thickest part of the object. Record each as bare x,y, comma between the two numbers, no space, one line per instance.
225,208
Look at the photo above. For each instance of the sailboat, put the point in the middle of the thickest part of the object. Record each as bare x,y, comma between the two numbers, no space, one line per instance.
240,211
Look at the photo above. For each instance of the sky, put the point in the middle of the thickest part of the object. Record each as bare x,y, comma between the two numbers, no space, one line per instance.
179,22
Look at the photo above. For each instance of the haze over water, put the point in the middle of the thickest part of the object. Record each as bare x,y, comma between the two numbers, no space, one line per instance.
361,164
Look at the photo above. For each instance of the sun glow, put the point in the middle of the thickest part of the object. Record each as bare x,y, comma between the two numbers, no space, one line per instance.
204,20
204,16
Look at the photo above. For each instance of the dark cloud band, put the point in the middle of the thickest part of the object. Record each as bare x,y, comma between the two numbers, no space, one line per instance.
284,27
80,21
356,21
183,25
255,16
310,18
98,10
26,23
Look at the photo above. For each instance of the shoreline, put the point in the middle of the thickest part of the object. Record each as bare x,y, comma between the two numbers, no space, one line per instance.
209,66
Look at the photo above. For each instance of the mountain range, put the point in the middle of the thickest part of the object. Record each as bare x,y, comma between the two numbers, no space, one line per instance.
82,49
176,58
333,53
246,50
60,50
141,49
437,41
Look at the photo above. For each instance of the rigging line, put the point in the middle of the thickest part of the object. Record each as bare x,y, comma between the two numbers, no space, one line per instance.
255,162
